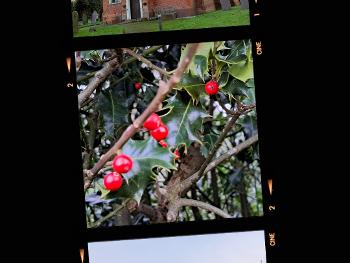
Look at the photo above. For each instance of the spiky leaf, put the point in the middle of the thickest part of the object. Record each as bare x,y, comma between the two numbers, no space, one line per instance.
147,154
184,121
114,106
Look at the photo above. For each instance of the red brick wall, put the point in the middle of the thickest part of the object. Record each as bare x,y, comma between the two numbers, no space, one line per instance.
183,7
112,13
209,5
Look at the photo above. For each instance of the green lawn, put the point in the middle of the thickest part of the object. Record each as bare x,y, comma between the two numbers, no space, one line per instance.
233,17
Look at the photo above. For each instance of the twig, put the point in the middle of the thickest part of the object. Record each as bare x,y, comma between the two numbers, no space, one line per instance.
97,80
125,62
200,204
229,112
222,158
204,195
231,152
111,214
163,90
186,184
146,61
194,178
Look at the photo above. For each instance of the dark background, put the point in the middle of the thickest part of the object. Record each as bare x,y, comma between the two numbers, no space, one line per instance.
44,224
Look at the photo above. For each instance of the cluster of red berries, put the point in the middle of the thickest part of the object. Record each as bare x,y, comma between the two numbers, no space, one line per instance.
159,131
156,127
121,164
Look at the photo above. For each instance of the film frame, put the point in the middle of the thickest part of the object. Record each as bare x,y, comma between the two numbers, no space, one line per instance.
267,222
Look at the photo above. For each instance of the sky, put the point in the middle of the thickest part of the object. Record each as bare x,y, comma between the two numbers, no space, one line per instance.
239,247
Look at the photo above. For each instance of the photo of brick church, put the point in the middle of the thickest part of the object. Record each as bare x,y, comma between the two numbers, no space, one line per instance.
112,17
116,11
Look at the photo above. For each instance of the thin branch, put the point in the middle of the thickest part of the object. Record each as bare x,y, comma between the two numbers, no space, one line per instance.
111,214
144,53
146,61
163,90
186,184
232,152
229,112
195,177
97,80
200,204
204,195
125,62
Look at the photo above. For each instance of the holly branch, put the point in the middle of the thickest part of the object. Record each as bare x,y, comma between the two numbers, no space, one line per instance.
171,195
163,90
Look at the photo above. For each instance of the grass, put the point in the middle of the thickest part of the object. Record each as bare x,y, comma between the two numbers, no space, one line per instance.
233,17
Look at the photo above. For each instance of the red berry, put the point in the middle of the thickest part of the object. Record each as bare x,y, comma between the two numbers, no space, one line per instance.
177,154
163,143
122,163
212,87
138,85
113,181
153,122
160,133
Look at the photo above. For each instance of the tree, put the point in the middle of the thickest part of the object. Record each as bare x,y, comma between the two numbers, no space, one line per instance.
217,174
87,6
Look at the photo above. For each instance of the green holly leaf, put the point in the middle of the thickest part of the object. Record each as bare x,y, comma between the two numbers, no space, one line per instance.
199,64
194,86
249,123
234,87
249,96
184,121
250,83
222,46
223,79
243,70
114,104
147,154
100,186
234,52
238,56
208,143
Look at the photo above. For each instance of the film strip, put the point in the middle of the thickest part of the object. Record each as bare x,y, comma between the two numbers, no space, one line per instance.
120,73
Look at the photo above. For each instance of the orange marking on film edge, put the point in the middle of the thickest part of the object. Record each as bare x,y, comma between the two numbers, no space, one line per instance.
82,255
270,185
68,60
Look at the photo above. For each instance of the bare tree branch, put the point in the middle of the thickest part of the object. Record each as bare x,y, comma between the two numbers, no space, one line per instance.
194,178
186,184
163,90
125,62
111,214
98,79
146,61
231,152
229,112
172,196
200,204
